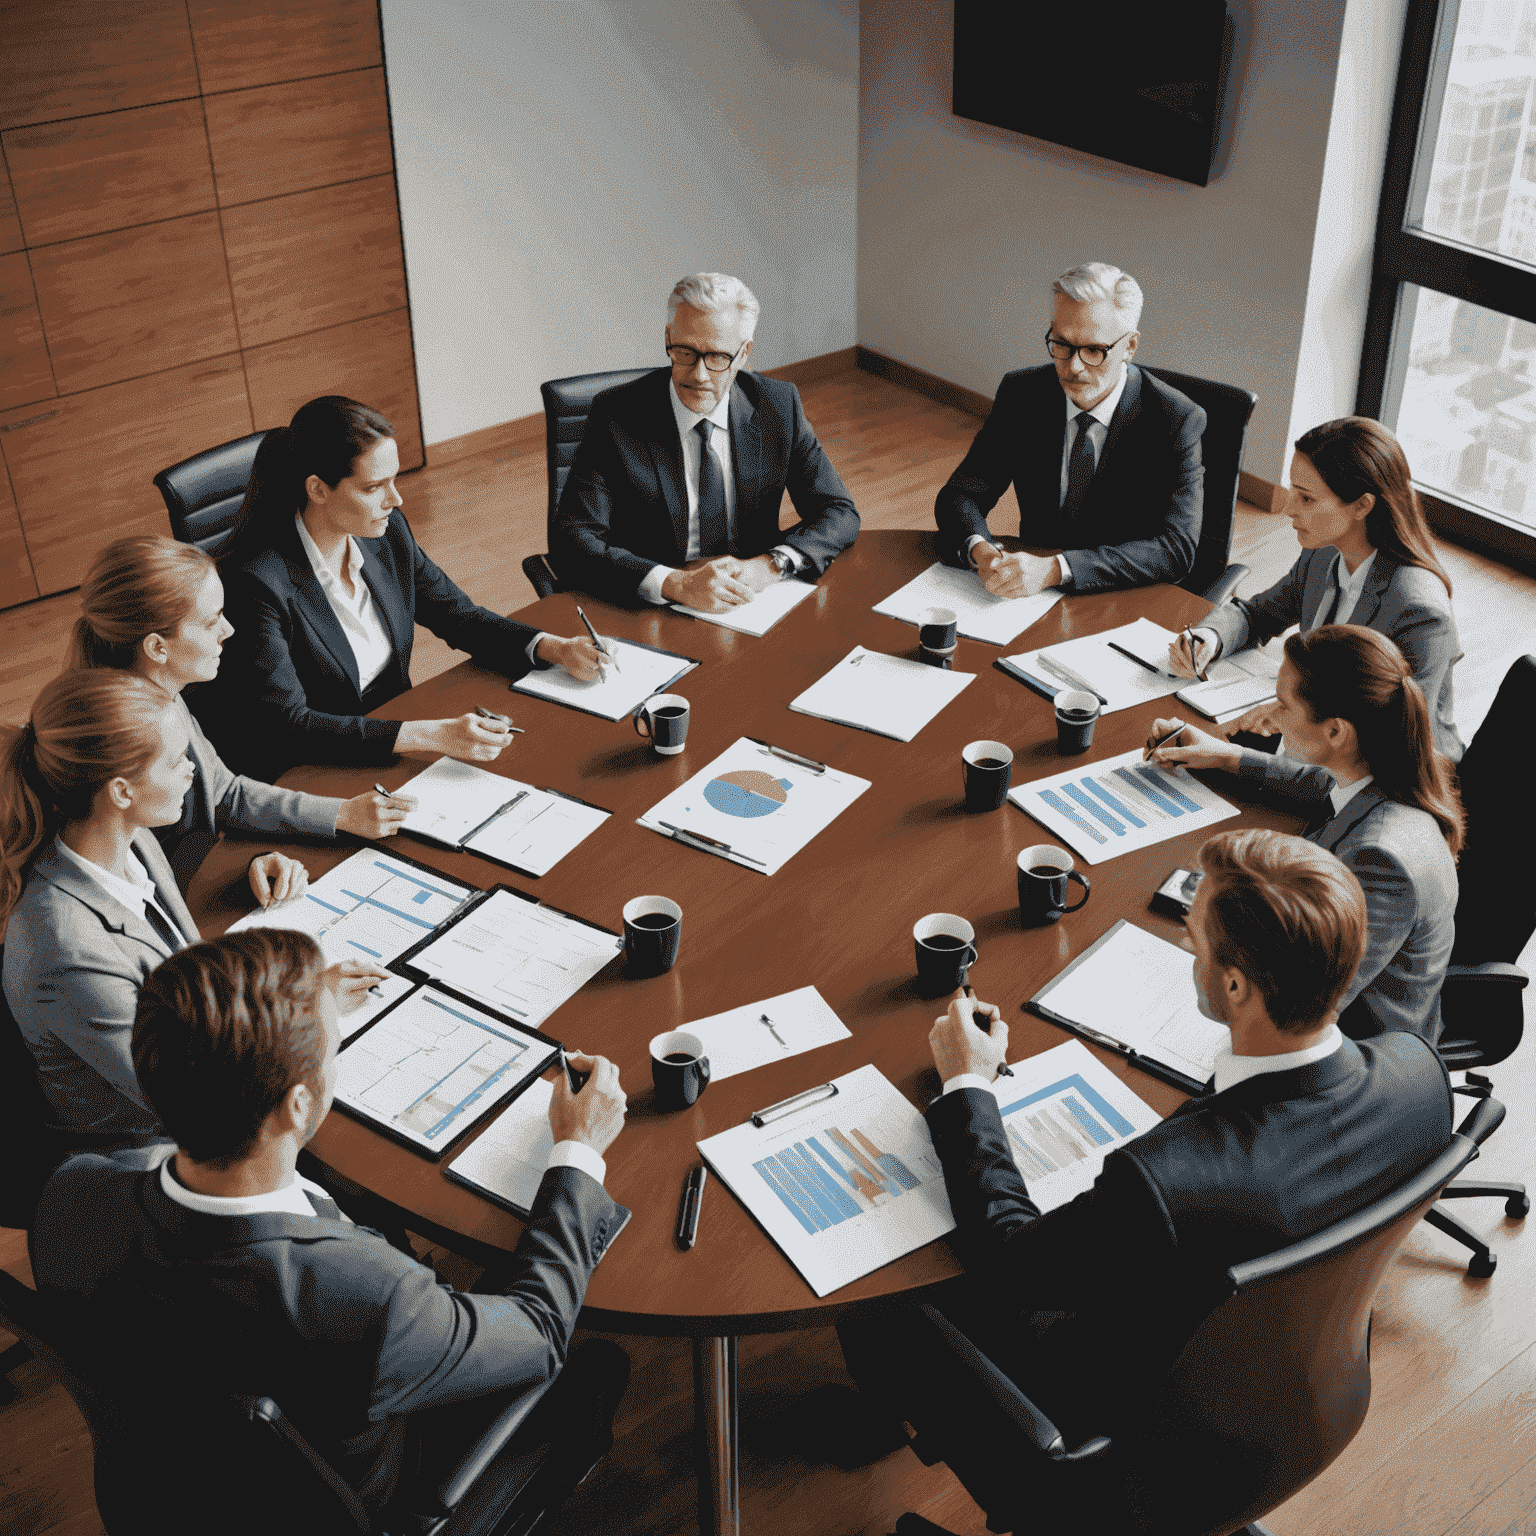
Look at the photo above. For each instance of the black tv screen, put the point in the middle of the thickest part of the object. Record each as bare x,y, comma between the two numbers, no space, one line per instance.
1135,82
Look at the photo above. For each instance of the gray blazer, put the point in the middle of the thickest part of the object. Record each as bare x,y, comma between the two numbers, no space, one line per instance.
1404,602
75,958
347,1333
1408,875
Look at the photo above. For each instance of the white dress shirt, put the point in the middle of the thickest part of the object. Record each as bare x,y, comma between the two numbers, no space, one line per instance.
1335,610
693,456
135,893
1341,794
372,646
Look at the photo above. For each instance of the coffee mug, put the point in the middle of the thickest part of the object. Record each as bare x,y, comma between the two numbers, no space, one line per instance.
679,1069
1076,713
653,928
987,769
666,722
946,950
936,630
1043,875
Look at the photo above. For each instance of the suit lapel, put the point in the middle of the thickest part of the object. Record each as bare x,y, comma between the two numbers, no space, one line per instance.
387,600
1040,459
115,917
314,610
1339,827
666,450
1377,580
1126,411
152,857
746,463
1319,588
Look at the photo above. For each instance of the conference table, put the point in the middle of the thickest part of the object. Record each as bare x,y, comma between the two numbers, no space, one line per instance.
838,916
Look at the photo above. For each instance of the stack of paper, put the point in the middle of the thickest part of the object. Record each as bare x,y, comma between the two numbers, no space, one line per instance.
761,614
641,671
888,695
980,616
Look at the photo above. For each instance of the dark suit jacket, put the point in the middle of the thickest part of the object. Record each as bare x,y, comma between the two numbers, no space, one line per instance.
1138,1261
288,687
625,506
1140,521
346,1333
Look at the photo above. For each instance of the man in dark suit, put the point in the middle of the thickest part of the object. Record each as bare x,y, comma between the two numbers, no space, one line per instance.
223,1265
1088,1305
1104,459
675,490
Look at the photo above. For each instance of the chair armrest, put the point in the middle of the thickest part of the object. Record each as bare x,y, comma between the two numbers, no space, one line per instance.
1486,1116
262,1410
1497,973
1224,585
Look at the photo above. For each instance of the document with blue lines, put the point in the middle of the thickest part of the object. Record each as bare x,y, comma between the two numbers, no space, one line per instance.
1101,810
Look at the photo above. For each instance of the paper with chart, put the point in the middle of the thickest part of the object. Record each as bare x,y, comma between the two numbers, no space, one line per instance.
517,956
508,1159
843,1185
1064,1112
432,1066
757,1033
762,613
1101,810
1133,991
979,615
888,695
641,671
369,907
753,807
1110,674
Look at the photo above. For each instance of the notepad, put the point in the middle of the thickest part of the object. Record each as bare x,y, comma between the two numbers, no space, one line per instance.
1234,684
642,671
506,1163
1115,677
978,614
888,695
761,614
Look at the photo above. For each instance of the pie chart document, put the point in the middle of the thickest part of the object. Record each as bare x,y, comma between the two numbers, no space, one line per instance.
754,807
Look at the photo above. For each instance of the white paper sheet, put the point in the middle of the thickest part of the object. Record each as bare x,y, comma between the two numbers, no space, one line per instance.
517,956
759,809
432,1066
1117,678
888,695
508,1158
762,613
843,1186
380,997
370,907
1101,810
537,832
1234,685
1137,991
979,615
453,798
738,1040
620,691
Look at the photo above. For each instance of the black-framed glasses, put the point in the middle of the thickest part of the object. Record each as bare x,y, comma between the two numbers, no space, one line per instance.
1093,354
716,362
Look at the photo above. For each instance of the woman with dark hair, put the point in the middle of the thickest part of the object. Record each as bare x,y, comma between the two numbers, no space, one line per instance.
154,606
1367,557
325,586
1360,755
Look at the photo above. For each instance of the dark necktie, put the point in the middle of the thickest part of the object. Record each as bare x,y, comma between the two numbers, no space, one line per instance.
1079,467
714,536
161,924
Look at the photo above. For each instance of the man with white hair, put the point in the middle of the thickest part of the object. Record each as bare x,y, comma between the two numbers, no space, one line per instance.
1114,480
674,493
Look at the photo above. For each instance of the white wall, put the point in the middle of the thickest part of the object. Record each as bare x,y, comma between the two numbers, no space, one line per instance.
563,162
962,226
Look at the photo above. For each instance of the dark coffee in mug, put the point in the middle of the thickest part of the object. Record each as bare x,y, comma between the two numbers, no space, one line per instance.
679,1069
945,941
1047,872
678,1058
654,920
671,712
1077,716
991,762
653,930
1045,876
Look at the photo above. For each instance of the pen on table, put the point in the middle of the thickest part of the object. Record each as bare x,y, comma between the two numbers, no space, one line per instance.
602,647
693,1198
1067,675
506,720
983,1022
1187,635
1140,661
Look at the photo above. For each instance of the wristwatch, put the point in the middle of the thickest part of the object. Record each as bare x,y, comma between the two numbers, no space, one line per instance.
783,561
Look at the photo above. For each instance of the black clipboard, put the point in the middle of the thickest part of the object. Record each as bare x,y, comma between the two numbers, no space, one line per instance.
1020,676
690,662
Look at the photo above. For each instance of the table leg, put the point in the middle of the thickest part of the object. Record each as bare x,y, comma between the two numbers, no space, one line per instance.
714,1406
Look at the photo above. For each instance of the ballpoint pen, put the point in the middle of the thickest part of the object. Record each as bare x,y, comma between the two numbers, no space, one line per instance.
1067,675
788,756
1178,730
983,1022
688,1215
1140,661
764,1019
601,646
577,1080
1187,635
506,720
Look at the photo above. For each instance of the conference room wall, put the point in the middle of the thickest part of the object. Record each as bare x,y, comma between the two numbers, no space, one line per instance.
961,226
562,164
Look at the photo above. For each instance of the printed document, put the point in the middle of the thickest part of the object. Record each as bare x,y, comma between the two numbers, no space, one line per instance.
620,691
762,613
508,1159
757,1033
888,695
979,615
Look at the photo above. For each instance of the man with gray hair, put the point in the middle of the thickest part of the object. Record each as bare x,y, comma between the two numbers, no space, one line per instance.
1114,481
674,493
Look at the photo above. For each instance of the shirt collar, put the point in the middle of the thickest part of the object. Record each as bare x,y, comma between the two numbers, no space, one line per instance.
133,892
1349,584
290,1200
1102,412
1341,794
322,566
1232,1069
687,420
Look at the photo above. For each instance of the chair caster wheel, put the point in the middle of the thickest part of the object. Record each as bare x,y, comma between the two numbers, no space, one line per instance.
1518,1206
1479,1268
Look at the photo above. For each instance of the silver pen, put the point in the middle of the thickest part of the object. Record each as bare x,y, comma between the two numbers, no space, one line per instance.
1067,675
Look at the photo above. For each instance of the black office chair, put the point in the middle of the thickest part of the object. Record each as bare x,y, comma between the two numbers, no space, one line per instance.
1269,1390
567,404
1227,410
183,1462
1482,1003
203,494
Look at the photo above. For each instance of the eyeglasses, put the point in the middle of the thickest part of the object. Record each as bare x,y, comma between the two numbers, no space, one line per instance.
1092,354
716,362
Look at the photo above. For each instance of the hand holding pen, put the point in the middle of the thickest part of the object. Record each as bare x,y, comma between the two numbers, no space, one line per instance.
1190,655
960,1046
605,654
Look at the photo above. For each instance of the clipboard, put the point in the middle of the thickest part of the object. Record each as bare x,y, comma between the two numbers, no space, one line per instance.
688,664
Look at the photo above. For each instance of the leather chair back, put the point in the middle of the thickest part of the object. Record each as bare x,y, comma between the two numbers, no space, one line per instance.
1227,411
567,404
203,494
29,1149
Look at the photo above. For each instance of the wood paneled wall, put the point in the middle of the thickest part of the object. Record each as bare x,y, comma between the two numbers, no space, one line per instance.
198,232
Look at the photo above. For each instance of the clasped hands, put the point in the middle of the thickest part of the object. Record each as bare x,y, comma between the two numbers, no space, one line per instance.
718,585
1018,575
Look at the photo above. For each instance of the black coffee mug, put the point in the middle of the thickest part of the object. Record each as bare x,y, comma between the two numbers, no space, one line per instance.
946,951
679,1069
665,717
1076,714
987,768
1044,872
653,929
937,629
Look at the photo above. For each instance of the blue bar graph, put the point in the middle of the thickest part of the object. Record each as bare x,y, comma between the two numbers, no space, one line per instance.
1061,808
1095,788
830,1177
1161,801
1167,785
1117,827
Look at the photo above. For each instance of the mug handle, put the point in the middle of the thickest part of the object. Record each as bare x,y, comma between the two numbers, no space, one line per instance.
703,1073
1072,874
635,720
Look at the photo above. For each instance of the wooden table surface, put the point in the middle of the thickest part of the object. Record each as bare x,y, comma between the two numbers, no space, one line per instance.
838,916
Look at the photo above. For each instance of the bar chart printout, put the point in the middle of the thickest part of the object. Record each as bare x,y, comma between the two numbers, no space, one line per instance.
432,1066
1101,810
844,1185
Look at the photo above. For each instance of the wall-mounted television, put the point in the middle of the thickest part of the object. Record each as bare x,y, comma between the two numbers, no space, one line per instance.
1138,81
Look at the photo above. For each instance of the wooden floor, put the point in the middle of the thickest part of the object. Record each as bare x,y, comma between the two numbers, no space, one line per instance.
1450,1443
